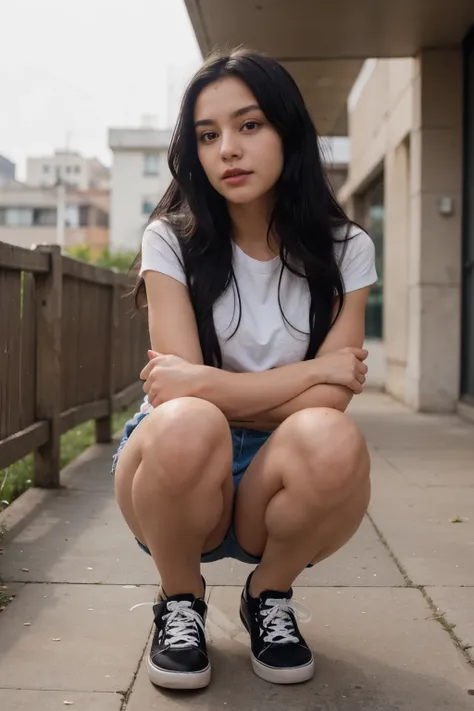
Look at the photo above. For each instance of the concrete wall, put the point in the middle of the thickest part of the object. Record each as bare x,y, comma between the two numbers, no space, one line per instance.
407,121
436,240
130,187
71,167
74,169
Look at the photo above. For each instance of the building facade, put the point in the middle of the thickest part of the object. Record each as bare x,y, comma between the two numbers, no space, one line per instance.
70,168
410,140
29,216
7,170
140,176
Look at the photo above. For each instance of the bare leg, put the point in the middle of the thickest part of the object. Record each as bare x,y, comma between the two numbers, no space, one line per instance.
174,487
303,497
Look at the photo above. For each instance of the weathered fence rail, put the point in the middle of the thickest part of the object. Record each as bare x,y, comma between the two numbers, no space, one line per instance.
70,351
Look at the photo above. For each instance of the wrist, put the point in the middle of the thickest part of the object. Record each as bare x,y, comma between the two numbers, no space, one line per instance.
318,374
205,384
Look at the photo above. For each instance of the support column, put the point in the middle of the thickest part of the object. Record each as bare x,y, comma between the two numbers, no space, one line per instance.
396,241
434,257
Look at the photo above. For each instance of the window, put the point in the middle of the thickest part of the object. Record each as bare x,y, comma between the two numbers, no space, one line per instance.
72,216
147,206
77,169
45,168
151,163
18,217
44,217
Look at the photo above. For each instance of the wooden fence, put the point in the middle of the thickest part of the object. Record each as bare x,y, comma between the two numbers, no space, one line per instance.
70,351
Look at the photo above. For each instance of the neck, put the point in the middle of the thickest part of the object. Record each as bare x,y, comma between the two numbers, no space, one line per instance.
250,228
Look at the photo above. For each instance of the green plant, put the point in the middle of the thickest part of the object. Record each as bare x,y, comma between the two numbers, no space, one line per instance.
119,260
18,477
80,251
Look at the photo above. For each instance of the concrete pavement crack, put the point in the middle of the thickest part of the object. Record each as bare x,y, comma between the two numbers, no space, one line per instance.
128,692
437,616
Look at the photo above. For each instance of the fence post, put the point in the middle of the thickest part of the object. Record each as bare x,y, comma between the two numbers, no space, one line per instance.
103,425
48,367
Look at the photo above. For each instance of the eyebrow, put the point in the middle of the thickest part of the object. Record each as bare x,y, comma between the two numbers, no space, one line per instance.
235,114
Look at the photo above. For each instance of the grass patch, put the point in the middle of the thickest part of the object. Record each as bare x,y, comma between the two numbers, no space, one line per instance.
5,597
18,477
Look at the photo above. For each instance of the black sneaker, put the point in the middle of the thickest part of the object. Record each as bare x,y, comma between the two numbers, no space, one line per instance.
279,653
178,654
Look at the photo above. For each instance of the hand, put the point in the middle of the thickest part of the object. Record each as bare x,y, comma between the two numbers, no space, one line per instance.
168,377
344,367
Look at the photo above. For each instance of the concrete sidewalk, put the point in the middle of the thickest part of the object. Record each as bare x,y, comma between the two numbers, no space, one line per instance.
384,608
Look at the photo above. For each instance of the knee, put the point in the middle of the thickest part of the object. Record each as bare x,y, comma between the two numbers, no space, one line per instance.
183,440
334,452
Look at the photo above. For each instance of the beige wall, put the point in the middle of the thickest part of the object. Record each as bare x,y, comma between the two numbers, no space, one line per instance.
96,237
436,240
407,121
28,236
337,176
381,118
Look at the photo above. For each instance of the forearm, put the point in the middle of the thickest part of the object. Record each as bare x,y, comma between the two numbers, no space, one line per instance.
322,395
244,395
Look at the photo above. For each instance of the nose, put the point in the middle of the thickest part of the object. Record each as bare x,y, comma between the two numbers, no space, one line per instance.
230,145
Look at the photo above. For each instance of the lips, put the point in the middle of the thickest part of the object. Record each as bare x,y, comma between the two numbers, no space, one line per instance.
235,173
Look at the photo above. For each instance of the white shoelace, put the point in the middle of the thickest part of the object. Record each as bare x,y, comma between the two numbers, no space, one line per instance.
278,622
182,623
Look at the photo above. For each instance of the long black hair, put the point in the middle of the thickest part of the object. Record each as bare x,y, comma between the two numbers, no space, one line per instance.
305,216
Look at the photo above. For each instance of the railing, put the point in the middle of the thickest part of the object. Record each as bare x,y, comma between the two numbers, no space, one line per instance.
70,351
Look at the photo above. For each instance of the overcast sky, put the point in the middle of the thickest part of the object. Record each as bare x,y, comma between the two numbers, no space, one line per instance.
69,70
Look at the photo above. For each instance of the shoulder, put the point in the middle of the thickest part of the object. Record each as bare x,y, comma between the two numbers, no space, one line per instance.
161,251
351,241
355,255
160,231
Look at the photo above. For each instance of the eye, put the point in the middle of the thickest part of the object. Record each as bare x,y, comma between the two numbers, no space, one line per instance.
208,136
251,125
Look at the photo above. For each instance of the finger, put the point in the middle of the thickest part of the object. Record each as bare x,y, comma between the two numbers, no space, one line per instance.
361,368
147,370
357,387
154,401
152,354
360,377
353,385
360,353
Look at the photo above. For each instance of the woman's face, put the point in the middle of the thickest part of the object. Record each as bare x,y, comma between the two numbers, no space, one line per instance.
239,150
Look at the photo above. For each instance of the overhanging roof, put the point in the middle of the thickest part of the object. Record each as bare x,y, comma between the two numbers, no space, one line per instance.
323,42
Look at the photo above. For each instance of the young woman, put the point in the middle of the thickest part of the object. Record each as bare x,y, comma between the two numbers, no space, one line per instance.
256,285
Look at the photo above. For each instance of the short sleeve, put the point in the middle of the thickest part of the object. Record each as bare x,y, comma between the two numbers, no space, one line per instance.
357,260
161,251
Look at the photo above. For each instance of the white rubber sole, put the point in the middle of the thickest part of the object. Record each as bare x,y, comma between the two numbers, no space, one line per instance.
176,680
291,675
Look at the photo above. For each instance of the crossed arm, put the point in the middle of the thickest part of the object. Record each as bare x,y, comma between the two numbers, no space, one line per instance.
254,400
348,331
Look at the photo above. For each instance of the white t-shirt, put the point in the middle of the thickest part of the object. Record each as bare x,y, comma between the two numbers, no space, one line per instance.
263,340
